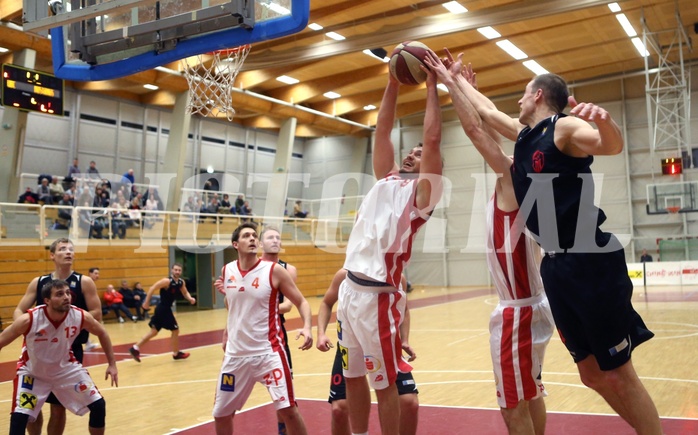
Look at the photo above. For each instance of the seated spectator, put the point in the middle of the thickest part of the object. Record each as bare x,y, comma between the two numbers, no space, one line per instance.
152,205
56,189
298,211
71,190
115,302
44,192
239,203
246,211
28,197
213,207
225,204
65,215
89,223
154,299
132,299
118,223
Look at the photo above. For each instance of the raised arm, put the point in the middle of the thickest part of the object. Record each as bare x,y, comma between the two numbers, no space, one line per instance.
93,326
383,149
325,311
283,281
28,300
576,134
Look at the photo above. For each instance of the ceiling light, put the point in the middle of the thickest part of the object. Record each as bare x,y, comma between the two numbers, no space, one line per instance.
454,7
331,95
488,32
151,87
315,26
535,67
376,54
4,50
511,49
288,80
276,8
369,107
614,7
623,20
209,169
640,47
336,36
442,87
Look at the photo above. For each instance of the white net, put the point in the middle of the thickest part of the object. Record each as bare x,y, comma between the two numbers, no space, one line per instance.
211,77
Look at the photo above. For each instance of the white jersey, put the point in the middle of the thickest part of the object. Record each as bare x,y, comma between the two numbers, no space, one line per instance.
380,244
511,255
46,347
254,327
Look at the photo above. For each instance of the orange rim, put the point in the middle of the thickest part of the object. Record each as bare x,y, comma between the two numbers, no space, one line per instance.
229,51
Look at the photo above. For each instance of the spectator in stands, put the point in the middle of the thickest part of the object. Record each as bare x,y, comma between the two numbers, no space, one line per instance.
225,204
154,299
298,210
213,206
152,194
239,203
28,197
92,171
128,178
118,222
64,215
74,170
246,211
89,223
132,299
115,302
71,190
56,189
152,204
646,258
44,192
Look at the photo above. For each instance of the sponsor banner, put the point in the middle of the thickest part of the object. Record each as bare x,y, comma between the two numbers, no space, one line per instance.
636,274
689,272
663,273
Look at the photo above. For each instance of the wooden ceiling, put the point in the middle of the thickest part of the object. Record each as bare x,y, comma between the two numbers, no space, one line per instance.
580,40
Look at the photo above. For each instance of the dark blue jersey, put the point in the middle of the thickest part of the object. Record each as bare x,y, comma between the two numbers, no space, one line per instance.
554,189
169,293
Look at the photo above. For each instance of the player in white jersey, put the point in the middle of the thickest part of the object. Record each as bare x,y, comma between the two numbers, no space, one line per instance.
253,340
521,325
48,365
371,304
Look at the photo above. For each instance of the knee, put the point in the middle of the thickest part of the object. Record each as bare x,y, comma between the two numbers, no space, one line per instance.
514,417
409,403
57,411
340,411
98,412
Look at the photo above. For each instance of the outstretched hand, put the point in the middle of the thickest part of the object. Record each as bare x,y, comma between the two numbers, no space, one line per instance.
587,111
308,339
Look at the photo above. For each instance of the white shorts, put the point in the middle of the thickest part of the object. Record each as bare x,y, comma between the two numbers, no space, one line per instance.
75,390
239,374
368,321
519,334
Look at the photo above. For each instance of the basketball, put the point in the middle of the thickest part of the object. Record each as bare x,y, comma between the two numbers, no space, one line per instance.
405,61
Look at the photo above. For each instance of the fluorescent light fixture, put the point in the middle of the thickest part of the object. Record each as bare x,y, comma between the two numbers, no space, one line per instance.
511,49
315,26
623,20
535,67
454,7
336,36
369,107
384,59
614,7
276,8
4,50
637,42
209,169
442,87
288,80
151,87
489,32
331,95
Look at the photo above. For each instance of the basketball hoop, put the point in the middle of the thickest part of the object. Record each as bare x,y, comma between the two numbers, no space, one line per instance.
673,210
211,77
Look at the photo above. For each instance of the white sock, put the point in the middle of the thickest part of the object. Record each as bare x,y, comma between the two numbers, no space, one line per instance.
135,346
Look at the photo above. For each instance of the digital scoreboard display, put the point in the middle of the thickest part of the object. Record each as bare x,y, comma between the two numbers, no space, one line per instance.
26,89
672,166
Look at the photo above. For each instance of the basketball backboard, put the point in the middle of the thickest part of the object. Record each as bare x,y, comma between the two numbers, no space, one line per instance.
675,197
106,39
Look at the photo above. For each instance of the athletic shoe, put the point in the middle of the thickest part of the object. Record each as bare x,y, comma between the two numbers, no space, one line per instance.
90,346
136,354
181,355
134,318
121,320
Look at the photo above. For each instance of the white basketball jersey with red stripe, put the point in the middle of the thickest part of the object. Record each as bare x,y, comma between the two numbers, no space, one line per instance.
511,254
46,347
380,244
254,327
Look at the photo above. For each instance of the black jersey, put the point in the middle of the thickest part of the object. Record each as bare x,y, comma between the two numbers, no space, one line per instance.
169,293
281,295
541,173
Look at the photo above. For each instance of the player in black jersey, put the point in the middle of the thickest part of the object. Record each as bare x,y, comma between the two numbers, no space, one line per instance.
84,295
270,239
164,317
584,270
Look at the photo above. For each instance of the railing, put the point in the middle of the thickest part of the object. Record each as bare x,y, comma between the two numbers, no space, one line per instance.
29,224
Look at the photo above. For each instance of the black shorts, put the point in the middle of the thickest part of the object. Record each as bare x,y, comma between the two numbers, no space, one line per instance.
163,319
338,389
590,297
78,353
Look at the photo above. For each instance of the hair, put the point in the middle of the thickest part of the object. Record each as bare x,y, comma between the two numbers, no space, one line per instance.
269,228
177,264
135,284
554,90
54,283
92,269
54,245
236,233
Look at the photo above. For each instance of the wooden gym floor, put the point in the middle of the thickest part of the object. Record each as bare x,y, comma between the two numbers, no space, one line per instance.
453,373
